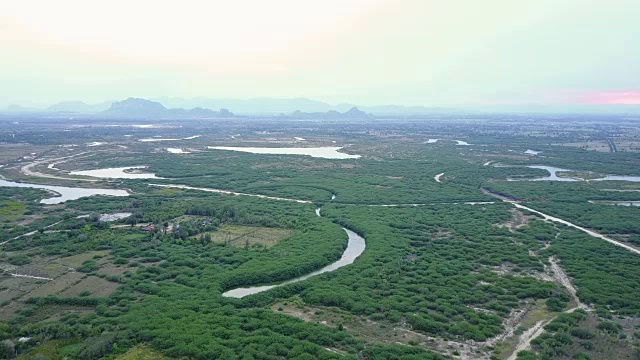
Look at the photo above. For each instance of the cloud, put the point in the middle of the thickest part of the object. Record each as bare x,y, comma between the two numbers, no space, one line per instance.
628,97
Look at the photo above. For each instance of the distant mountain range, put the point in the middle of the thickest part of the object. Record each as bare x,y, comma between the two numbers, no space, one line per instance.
200,107
352,113
257,106
135,107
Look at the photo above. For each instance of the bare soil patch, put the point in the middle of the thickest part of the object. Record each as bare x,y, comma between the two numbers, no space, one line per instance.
372,332
517,221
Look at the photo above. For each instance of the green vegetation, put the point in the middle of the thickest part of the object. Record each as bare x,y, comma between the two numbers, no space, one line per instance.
576,336
11,211
440,278
605,275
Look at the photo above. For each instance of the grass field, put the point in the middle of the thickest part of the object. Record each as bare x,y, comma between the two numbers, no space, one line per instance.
56,286
54,350
241,236
76,260
141,352
94,285
11,211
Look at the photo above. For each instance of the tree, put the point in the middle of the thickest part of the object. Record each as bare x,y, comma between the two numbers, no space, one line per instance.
132,221
7,349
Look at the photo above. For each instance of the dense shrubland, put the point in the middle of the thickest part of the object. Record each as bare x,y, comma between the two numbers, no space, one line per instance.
445,269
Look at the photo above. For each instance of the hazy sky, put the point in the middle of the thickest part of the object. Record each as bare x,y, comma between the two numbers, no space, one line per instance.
412,52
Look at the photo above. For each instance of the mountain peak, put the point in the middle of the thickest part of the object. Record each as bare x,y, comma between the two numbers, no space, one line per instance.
353,113
138,107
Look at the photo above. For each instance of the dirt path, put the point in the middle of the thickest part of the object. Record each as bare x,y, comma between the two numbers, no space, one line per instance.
525,339
565,222
560,276
524,342
32,277
33,232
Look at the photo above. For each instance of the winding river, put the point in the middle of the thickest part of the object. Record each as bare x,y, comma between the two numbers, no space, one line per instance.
355,248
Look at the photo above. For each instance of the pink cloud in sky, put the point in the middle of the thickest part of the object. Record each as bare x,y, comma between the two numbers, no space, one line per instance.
628,97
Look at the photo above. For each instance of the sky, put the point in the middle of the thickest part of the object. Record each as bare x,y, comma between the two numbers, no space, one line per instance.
367,52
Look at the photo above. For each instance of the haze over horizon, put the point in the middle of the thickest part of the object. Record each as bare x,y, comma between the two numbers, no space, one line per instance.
375,52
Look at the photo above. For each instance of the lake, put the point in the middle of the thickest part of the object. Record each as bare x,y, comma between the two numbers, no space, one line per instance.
65,193
116,173
328,152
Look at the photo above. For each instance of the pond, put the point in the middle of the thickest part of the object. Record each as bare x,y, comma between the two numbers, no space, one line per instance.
64,193
619,178
154,139
616,203
177,151
117,173
552,173
458,142
328,152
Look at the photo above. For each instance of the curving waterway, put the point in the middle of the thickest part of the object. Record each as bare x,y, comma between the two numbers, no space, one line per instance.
355,248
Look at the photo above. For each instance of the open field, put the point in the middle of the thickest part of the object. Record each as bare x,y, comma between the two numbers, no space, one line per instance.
76,261
248,236
11,211
91,285
141,352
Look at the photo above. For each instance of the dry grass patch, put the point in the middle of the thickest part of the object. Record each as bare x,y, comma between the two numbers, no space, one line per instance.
141,352
373,332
